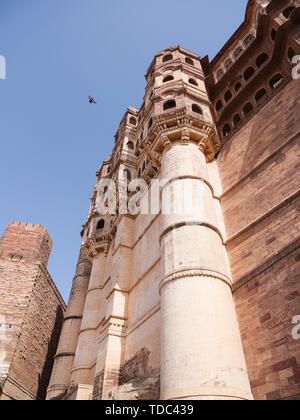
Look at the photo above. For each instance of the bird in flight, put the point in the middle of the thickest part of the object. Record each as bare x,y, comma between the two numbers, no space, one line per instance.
92,100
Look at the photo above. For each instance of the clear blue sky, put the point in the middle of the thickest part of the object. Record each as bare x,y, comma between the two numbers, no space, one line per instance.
58,52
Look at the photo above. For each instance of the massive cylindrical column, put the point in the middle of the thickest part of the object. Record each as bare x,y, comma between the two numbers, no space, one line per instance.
201,349
85,352
64,359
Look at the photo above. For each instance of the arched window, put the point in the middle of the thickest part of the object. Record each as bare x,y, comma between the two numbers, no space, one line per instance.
226,130
167,57
236,120
249,73
248,108
238,52
260,95
168,79
228,96
169,105
237,86
189,61
288,11
228,64
273,34
248,40
291,54
219,105
144,166
261,59
132,121
193,82
197,109
130,145
276,81
100,224
150,123
220,74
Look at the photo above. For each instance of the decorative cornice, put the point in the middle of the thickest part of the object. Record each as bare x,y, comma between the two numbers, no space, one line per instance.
194,273
181,126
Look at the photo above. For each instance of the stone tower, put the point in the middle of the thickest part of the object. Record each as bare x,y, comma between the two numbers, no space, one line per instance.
161,300
31,312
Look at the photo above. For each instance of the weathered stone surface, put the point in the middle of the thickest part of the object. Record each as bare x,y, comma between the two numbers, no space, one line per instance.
137,389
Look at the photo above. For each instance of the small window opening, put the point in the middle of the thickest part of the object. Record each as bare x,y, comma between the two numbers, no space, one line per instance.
260,95
261,60
193,82
168,79
248,109
276,81
249,73
189,61
169,105
226,130
168,57
236,120
288,11
100,224
197,109
219,105
228,96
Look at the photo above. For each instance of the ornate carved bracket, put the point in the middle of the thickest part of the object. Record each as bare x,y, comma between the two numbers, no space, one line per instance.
98,244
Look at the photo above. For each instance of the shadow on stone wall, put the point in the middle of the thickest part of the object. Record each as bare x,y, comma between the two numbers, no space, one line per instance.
44,377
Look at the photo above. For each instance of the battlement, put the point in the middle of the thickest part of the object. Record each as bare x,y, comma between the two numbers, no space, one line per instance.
26,241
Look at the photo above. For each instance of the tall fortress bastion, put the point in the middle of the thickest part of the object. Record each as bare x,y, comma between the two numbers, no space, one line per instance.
196,302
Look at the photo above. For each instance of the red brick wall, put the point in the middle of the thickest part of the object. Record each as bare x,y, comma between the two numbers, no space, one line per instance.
31,312
266,305
36,348
259,169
